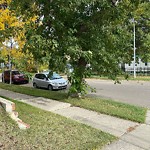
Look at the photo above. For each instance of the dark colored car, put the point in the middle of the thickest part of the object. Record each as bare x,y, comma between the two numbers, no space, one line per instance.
17,77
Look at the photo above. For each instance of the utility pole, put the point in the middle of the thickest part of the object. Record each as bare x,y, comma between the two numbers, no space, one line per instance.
134,63
10,68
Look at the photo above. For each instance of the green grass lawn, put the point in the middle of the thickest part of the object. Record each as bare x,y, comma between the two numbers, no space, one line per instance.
138,78
48,131
113,108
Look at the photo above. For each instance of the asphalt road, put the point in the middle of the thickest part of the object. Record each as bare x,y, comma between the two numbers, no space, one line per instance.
132,92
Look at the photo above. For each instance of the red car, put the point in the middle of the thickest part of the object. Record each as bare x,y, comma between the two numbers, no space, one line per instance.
17,77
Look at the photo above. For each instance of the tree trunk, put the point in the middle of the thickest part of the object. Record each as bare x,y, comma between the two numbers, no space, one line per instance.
77,81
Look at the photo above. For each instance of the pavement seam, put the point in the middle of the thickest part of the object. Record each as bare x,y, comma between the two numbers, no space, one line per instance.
136,137
133,144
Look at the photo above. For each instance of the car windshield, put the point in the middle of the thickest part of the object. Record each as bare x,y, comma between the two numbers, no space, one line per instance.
15,72
53,76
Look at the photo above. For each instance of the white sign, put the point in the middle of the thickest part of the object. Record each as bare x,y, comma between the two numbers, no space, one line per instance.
2,65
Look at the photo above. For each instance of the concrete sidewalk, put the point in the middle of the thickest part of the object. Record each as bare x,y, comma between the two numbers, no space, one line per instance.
132,136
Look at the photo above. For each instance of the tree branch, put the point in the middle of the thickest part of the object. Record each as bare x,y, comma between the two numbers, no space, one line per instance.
115,2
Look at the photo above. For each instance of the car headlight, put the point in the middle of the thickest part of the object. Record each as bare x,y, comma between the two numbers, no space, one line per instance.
54,83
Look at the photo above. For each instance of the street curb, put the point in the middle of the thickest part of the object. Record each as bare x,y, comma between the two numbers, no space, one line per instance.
9,107
147,121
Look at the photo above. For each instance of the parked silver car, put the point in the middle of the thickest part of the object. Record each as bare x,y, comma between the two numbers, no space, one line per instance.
49,80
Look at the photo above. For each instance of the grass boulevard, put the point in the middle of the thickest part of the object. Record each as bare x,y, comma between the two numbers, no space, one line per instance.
51,131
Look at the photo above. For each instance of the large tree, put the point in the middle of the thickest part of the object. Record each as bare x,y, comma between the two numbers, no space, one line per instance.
82,32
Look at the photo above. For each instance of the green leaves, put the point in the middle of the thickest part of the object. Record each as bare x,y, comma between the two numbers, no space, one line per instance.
96,32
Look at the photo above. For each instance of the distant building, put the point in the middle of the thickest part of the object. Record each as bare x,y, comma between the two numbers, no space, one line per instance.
140,67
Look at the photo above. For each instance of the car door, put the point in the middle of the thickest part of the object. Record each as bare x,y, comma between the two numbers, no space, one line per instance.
38,80
6,76
44,81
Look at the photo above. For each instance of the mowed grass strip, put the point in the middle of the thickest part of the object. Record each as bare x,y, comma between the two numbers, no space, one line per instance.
113,108
122,78
56,95
109,107
48,131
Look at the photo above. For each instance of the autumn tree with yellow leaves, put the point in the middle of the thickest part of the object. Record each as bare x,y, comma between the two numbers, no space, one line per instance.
12,37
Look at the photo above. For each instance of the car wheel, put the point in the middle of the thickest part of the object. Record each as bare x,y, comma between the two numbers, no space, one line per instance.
50,87
4,81
27,82
34,85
